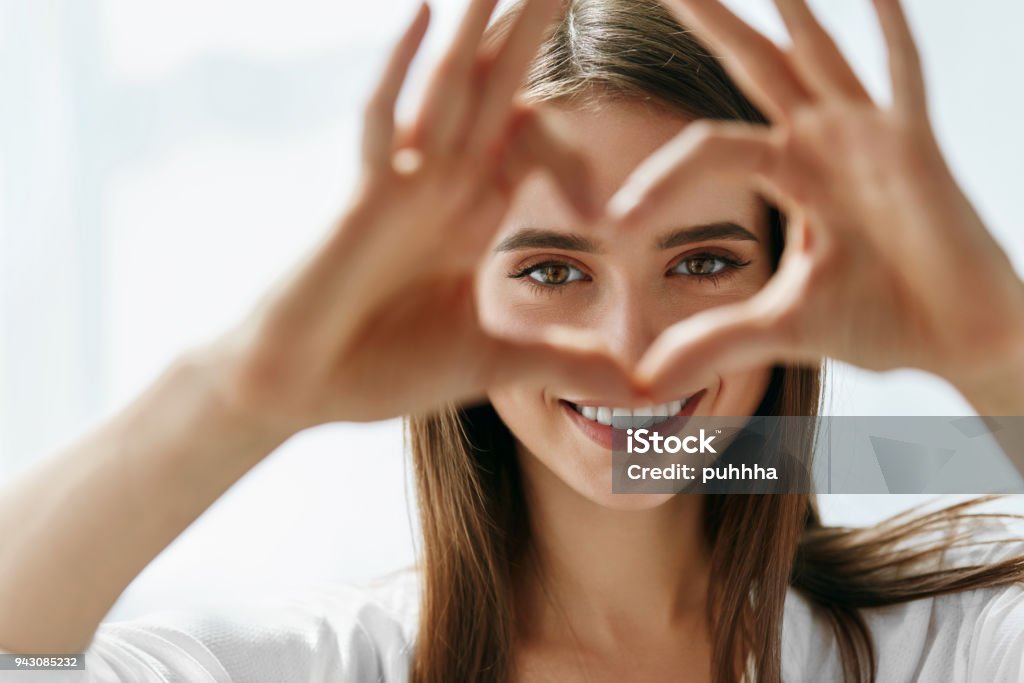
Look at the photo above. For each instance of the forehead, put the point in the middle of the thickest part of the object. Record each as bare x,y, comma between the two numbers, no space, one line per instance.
615,137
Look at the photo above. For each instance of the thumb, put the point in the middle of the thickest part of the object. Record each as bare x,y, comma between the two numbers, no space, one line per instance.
535,143
715,341
575,362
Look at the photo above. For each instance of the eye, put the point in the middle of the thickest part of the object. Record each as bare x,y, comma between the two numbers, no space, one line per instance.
551,273
706,265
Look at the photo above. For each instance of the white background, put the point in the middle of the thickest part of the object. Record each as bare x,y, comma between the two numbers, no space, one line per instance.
161,163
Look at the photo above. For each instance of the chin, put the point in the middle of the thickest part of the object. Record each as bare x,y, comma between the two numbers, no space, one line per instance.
585,475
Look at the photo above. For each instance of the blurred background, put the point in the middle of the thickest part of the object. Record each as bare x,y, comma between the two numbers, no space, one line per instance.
161,163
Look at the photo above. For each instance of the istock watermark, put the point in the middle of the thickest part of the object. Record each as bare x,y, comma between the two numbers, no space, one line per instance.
645,440
821,454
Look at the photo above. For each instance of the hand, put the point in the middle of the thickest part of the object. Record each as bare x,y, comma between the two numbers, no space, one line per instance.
381,320
886,263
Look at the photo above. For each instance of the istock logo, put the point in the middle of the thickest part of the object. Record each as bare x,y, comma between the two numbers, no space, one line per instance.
645,441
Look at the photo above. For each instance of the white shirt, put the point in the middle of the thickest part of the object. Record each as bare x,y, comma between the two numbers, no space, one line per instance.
341,632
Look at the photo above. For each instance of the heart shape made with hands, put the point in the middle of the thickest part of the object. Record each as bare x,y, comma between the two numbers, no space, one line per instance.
876,227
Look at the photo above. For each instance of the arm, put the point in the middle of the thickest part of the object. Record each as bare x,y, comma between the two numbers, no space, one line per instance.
998,398
1001,391
378,321
80,526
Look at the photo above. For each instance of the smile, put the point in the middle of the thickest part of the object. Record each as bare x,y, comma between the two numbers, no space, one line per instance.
645,416
600,423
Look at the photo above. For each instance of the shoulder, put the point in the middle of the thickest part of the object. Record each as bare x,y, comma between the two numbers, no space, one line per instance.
973,634
329,630
991,620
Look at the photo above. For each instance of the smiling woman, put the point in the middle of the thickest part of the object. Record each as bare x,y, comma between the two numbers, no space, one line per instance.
477,286
701,242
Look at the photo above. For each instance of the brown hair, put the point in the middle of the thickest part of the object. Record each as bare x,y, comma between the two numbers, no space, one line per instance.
474,518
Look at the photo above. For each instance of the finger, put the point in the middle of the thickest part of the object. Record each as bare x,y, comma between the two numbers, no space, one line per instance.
702,149
906,72
535,144
758,65
487,211
573,362
379,115
817,58
507,70
447,99
711,343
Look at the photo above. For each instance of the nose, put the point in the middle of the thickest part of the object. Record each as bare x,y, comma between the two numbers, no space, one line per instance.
629,324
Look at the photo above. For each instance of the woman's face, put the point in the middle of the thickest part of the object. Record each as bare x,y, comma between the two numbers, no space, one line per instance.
706,247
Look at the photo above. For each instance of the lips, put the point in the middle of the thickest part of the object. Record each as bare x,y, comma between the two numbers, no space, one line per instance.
596,421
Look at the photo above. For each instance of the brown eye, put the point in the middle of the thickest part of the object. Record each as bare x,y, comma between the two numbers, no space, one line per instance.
555,273
702,265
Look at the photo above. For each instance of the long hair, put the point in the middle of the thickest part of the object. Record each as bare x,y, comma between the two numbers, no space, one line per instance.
473,514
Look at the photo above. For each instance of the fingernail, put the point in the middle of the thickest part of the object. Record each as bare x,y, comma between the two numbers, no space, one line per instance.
407,161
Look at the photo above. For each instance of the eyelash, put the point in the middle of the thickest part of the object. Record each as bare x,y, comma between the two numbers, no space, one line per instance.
732,265
523,274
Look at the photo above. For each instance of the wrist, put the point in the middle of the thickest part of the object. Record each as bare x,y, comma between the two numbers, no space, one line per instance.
205,377
997,386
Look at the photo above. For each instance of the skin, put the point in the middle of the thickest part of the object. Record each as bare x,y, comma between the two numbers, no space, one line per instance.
864,279
626,291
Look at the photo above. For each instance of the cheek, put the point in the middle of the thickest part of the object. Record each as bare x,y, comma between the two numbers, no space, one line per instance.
740,393
535,426
524,410
514,308
549,458
523,406
498,310
512,401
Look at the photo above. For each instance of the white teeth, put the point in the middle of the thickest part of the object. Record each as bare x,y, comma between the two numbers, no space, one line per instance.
641,417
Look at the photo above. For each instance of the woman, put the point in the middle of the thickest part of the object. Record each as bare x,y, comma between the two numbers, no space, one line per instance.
643,269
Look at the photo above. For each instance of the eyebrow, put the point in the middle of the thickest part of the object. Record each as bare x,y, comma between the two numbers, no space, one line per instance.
536,238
